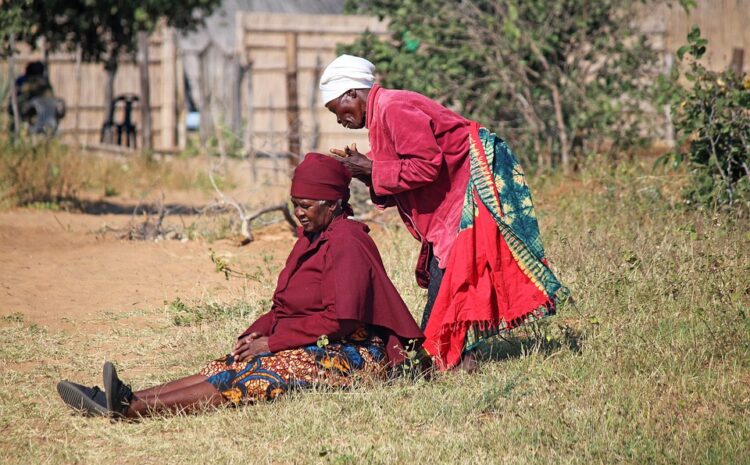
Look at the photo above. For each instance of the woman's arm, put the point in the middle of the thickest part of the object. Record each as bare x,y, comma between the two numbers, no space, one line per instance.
261,326
254,340
419,155
291,333
381,201
249,346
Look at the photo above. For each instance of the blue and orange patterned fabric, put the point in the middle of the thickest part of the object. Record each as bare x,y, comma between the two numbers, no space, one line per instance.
497,276
266,376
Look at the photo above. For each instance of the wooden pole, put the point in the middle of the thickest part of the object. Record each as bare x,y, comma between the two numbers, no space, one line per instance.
13,90
77,126
250,125
181,128
315,136
738,60
145,102
168,89
206,104
236,92
669,136
110,66
45,57
292,107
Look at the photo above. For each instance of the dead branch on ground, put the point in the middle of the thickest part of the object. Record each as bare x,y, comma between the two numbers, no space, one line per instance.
227,202
150,229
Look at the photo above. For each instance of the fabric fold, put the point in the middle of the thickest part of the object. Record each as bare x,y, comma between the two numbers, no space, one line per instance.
496,276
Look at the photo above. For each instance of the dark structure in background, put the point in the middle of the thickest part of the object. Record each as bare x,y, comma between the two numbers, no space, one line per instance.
38,108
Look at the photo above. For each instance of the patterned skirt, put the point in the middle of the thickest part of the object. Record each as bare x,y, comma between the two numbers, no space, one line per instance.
266,376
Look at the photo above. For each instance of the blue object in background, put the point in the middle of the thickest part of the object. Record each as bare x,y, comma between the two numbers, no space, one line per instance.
193,121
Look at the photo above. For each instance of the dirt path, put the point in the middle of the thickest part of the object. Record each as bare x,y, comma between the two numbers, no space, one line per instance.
57,271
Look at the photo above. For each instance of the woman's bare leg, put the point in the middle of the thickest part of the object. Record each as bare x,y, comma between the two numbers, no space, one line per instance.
165,388
186,398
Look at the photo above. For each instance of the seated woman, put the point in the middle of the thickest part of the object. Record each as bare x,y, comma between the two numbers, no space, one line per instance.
333,284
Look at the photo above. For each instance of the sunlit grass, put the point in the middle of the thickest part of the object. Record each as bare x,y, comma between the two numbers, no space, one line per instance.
651,364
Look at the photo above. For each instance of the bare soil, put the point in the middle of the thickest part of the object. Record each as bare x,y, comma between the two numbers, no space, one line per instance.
60,271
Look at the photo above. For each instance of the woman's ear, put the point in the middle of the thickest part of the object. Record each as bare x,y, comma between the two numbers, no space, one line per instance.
335,206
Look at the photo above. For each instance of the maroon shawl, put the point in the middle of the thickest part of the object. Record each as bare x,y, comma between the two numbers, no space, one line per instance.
331,285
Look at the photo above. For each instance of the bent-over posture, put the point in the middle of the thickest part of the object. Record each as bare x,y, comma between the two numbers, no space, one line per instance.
462,194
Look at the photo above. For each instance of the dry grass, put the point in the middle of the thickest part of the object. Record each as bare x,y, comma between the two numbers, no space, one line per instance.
651,366
54,175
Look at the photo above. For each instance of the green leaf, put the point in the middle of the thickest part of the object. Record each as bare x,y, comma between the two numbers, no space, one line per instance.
682,51
694,34
687,5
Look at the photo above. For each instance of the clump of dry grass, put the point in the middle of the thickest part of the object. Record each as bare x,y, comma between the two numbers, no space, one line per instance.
49,172
652,365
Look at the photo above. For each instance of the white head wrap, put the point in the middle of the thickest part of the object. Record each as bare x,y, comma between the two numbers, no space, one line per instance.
344,73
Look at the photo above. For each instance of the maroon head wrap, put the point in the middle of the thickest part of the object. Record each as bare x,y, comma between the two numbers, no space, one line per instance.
320,177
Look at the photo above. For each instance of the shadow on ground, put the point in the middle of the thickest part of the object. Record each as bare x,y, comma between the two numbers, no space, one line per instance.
103,207
519,344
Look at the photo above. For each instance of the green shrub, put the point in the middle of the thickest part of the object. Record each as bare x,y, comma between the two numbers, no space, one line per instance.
712,116
558,79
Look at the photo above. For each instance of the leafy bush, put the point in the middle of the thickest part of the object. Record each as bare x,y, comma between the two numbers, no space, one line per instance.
712,116
558,78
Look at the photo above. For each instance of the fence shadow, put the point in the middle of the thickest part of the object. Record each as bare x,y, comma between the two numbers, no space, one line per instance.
103,207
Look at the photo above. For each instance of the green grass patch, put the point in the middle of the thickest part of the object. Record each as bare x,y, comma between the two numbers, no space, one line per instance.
650,365
184,314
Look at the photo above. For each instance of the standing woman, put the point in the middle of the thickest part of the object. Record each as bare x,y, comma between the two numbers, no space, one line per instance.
333,285
462,194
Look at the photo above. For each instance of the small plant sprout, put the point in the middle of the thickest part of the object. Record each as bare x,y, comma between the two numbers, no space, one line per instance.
323,341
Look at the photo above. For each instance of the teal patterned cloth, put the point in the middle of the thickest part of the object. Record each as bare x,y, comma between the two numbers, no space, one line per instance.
500,185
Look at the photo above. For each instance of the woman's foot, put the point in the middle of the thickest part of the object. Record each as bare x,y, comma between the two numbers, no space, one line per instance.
468,362
91,401
118,394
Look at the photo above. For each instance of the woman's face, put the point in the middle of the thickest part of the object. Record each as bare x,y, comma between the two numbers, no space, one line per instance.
350,109
313,215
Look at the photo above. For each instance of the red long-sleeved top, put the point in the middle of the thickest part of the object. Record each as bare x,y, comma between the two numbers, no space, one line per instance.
420,153
332,285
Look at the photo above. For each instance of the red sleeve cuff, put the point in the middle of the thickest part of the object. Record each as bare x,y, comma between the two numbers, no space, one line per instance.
261,326
381,202
292,333
277,344
386,176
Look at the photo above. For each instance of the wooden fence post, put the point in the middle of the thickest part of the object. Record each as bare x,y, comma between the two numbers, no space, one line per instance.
738,60
249,133
77,122
315,136
235,104
169,85
206,104
13,90
145,101
292,107
181,126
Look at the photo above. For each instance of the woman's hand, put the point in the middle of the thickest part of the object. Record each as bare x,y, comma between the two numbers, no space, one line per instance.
249,346
359,165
